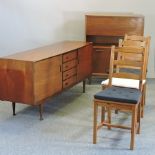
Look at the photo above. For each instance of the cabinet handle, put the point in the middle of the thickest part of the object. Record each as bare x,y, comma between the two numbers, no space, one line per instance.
66,83
100,50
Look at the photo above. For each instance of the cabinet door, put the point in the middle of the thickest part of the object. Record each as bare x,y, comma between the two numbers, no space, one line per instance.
84,68
16,81
47,77
101,60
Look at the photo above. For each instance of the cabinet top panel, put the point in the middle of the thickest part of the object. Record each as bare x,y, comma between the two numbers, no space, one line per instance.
47,51
114,14
114,24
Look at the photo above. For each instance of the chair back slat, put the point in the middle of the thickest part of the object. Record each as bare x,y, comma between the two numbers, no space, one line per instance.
135,40
126,65
126,75
134,37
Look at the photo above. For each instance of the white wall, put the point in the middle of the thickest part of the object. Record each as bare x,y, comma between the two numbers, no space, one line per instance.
26,24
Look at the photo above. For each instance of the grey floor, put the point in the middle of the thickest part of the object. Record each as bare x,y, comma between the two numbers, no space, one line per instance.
67,127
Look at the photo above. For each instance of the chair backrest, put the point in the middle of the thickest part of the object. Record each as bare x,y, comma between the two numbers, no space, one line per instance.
137,41
134,37
126,64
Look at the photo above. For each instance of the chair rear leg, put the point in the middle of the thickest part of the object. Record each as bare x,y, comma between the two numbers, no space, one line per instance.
133,128
95,123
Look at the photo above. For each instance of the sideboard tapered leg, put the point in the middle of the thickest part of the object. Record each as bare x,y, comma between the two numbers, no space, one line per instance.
13,108
84,86
41,111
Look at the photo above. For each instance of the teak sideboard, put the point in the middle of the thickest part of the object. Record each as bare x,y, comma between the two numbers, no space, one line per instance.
32,76
105,30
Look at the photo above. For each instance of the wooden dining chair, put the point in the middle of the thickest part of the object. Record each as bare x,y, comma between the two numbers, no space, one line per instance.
123,98
133,41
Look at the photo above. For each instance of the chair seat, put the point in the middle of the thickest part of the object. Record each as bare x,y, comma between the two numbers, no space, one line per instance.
119,94
123,82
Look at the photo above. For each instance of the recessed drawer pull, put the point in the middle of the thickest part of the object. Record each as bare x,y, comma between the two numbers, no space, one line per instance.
66,83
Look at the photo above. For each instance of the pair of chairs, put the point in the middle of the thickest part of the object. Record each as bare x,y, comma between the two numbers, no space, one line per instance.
133,41
116,96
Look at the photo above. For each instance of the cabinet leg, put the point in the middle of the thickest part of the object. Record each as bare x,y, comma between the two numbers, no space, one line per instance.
84,86
89,80
41,111
13,108
116,111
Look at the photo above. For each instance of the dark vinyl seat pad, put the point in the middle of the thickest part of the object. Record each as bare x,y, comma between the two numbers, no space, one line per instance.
119,94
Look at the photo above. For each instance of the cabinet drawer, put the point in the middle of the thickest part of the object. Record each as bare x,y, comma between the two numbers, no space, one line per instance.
69,56
69,81
70,64
69,73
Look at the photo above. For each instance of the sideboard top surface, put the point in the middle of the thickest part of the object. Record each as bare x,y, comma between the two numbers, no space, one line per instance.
47,51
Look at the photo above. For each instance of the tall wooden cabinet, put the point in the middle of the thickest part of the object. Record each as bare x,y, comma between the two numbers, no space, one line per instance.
105,30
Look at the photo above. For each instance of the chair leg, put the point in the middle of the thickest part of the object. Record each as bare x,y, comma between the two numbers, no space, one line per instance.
116,111
95,123
139,118
90,80
41,111
144,91
143,100
103,110
133,127
109,118
14,108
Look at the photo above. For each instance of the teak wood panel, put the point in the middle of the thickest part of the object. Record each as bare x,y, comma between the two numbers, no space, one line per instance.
84,67
69,56
101,60
70,81
48,51
114,26
47,77
3,79
70,64
69,73
17,81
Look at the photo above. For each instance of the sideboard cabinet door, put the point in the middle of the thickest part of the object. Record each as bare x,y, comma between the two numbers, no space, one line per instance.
47,77
84,67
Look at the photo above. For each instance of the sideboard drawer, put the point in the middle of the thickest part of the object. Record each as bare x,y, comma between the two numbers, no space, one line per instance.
69,81
69,56
70,64
69,73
